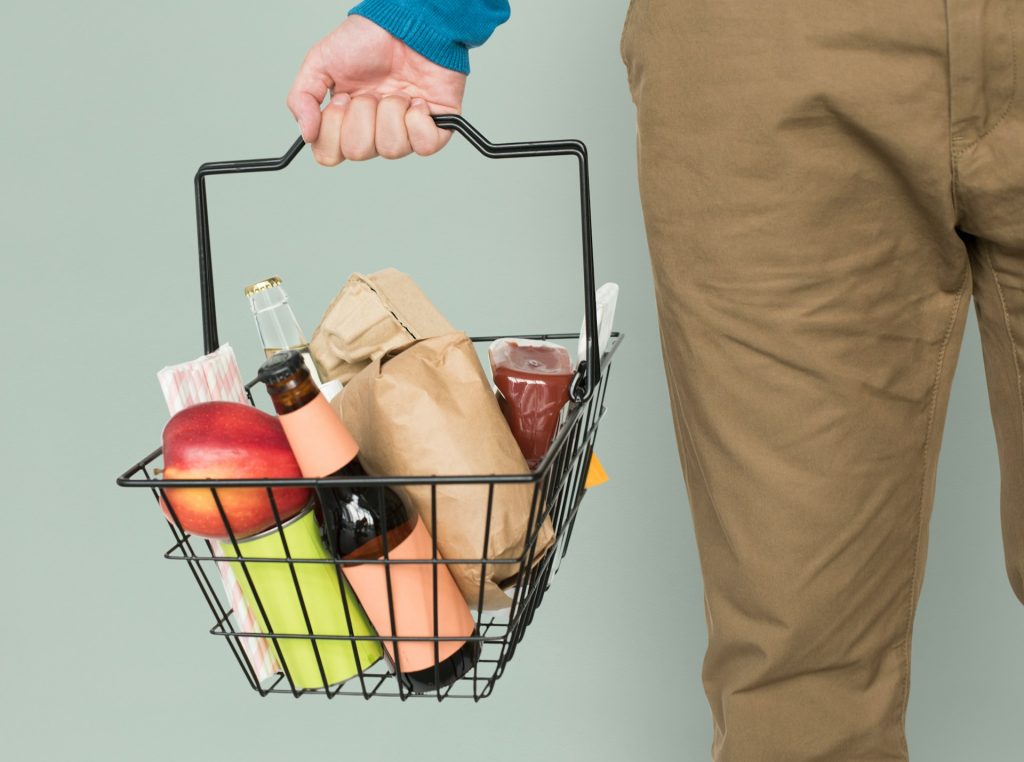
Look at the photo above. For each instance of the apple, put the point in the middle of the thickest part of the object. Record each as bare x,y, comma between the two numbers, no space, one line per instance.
228,440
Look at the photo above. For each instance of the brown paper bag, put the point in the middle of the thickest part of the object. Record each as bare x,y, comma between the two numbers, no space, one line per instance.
370,315
427,409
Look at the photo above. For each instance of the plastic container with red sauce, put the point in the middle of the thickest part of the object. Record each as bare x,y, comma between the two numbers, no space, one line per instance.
533,379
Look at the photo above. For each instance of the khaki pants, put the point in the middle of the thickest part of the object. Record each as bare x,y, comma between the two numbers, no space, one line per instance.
825,186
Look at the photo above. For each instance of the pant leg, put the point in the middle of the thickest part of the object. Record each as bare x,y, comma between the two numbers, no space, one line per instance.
795,175
987,50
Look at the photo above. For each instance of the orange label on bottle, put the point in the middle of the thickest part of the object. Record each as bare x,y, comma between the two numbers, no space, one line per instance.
318,438
412,588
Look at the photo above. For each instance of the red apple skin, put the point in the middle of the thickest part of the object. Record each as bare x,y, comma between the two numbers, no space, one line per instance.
228,440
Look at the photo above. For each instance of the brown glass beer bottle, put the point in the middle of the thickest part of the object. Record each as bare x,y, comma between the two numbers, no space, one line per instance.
358,521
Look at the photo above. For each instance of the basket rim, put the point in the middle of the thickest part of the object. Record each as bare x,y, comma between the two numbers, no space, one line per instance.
130,476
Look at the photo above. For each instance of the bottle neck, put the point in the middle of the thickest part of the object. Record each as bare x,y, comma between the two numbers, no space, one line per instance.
292,393
279,330
319,439
277,325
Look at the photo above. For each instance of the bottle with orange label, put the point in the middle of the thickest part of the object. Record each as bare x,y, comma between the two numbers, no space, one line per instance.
359,521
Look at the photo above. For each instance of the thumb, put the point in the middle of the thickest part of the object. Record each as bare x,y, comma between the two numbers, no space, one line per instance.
306,110
307,93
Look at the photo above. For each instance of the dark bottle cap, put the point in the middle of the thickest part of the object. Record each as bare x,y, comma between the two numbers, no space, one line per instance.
280,366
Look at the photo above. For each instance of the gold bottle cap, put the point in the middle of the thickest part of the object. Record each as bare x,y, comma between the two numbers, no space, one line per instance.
263,285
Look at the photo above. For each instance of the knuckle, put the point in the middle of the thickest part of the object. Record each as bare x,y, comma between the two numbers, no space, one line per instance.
325,159
360,154
391,150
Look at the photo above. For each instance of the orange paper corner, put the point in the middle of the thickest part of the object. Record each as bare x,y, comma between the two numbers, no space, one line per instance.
596,475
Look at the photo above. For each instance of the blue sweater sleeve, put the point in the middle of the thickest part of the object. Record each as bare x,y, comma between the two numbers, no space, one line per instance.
441,30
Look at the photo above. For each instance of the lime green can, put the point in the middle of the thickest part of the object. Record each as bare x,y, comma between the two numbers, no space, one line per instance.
321,593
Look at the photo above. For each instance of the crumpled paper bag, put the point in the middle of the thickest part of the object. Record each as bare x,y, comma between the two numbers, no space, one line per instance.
370,315
427,409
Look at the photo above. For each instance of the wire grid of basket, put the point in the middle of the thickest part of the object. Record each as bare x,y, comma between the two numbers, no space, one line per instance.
557,488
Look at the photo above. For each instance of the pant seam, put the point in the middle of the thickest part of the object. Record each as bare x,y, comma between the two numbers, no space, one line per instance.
908,630
954,170
1009,334
960,150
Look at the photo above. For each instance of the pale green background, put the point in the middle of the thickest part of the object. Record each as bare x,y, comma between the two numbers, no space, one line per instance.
108,108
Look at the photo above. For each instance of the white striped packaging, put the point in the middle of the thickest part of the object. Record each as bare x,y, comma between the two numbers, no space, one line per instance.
216,377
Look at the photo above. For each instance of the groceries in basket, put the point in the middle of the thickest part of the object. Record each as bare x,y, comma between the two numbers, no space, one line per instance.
533,379
228,440
371,522
215,377
212,377
416,407
304,598
427,409
370,315
231,440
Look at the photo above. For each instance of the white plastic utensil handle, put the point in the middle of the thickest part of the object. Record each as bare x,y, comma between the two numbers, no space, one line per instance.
607,297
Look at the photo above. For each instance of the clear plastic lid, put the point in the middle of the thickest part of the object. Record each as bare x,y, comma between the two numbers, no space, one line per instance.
530,356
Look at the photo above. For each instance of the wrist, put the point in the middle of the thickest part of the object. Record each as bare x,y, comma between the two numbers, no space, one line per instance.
416,32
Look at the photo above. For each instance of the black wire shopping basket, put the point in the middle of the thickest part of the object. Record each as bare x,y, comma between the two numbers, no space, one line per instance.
282,661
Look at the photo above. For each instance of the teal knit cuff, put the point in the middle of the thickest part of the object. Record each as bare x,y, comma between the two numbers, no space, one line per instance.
416,33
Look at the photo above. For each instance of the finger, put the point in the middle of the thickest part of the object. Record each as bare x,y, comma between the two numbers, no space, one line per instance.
425,137
392,136
307,93
327,146
358,129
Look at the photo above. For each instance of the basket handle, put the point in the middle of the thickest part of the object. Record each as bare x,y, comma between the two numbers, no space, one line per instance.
589,371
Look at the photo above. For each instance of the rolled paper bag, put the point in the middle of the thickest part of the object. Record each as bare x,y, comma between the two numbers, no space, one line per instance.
426,409
370,315
321,600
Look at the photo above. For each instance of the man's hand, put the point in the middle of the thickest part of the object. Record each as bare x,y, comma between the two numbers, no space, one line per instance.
382,95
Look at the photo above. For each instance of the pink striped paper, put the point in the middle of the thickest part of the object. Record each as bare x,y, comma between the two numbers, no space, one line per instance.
215,377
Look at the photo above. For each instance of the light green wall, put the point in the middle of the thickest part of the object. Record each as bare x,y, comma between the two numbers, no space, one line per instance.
108,109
